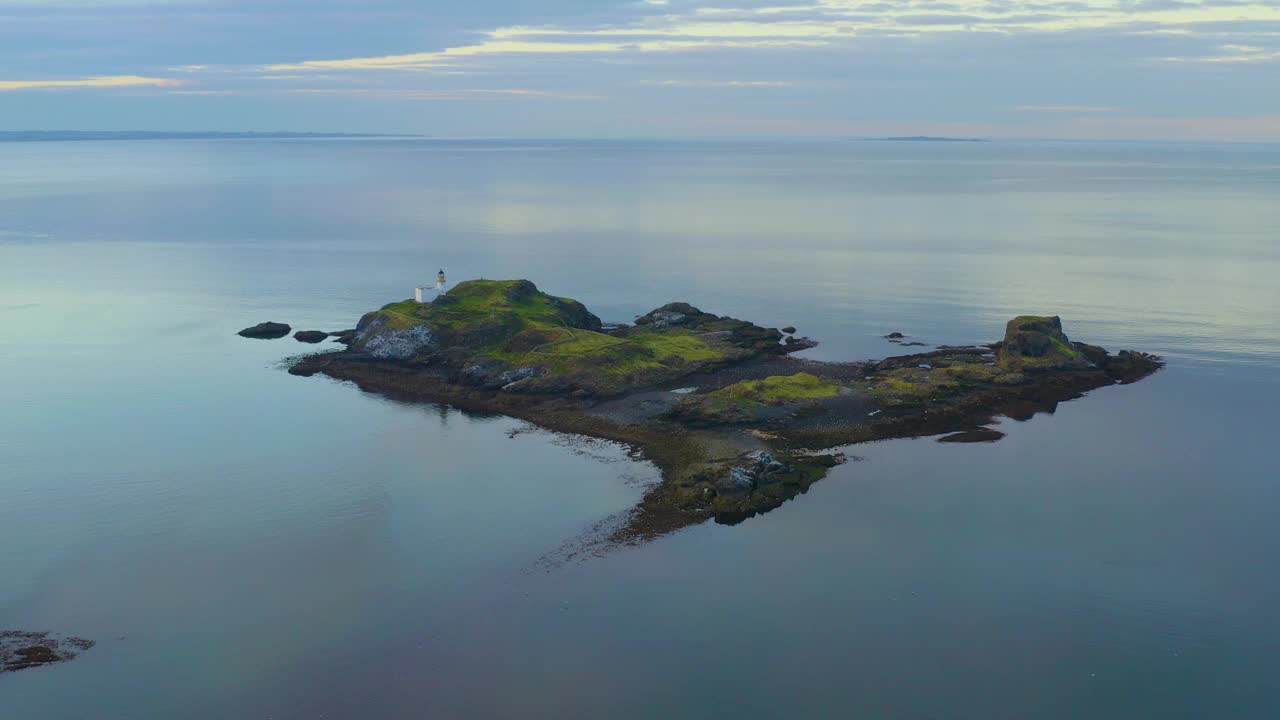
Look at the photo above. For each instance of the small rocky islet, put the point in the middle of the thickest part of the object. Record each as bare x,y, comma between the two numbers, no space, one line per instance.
734,422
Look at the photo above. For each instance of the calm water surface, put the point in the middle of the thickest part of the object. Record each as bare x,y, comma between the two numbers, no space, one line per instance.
246,544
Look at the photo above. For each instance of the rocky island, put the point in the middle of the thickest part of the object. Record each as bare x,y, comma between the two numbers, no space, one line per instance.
734,422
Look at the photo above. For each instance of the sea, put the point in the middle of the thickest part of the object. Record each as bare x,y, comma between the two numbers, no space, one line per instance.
243,543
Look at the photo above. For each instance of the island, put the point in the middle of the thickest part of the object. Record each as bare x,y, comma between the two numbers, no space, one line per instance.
735,422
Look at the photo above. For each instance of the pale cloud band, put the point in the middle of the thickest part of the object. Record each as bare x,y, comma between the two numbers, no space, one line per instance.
102,81
827,23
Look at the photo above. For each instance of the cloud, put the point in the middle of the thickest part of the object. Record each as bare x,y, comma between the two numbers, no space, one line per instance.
829,24
458,94
451,56
102,81
1233,53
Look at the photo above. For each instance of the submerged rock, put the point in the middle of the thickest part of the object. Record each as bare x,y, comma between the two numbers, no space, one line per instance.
977,435
266,331
21,650
310,336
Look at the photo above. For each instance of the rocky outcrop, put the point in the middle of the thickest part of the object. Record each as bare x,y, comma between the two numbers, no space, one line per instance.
758,481
384,341
346,337
739,333
311,336
1125,366
1036,343
21,650
266,331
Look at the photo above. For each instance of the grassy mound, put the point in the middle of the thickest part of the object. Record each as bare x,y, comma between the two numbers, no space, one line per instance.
752,400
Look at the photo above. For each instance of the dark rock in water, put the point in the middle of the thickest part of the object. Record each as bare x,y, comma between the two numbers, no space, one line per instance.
310,336
1129,366
795,344
914,344
790,330
978,435
346,337
22,650
1094,354
266,331
894,336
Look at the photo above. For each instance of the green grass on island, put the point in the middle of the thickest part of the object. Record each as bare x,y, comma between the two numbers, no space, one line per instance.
512,322
780,389
743,401
572,350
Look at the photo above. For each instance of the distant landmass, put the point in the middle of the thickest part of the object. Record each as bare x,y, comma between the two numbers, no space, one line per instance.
928,138
72,135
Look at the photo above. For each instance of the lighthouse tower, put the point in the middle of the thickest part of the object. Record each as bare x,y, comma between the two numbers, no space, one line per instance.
426,295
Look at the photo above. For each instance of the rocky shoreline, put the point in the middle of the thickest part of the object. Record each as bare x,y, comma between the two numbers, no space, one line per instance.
734,423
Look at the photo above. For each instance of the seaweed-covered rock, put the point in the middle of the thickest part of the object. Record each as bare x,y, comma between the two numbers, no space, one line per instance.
311,336
1130,366
1034,343
266,331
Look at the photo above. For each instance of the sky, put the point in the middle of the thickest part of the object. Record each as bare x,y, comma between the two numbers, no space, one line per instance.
1072,69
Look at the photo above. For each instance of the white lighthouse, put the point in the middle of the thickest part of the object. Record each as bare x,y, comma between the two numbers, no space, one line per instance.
426,295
